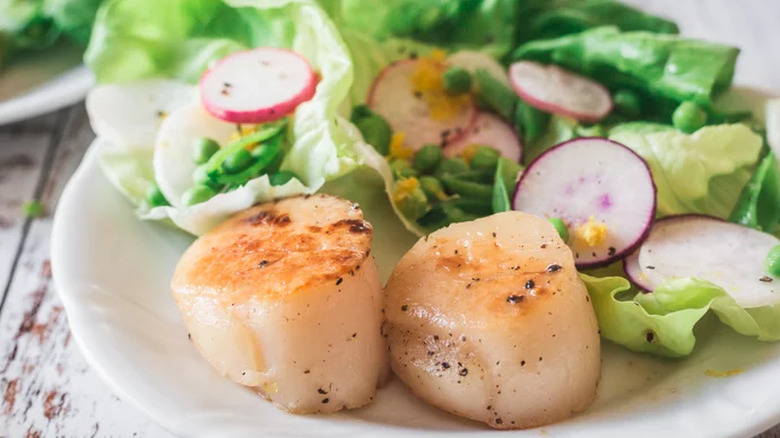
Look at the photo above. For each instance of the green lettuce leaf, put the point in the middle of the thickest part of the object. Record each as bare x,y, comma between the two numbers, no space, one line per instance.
662,68
73,17
543,19
24,25
492,26
139,39
759,204
703,172
662,322
178,39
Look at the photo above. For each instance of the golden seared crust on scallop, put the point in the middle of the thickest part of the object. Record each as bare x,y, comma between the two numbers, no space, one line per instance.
285,299
279,249
489,320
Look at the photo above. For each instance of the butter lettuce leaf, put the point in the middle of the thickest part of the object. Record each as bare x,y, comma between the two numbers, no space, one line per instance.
662,322
703,172
139,39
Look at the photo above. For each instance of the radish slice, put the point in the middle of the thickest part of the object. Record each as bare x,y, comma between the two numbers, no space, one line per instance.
257,86
472,60
553,89
602,190
635,274
173,167
393,97
493,131
130,114
726,254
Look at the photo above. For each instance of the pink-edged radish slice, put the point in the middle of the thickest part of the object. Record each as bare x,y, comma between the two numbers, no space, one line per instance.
489,130
602,190
257,86
393,97
471,60
635,274
726,254
558,91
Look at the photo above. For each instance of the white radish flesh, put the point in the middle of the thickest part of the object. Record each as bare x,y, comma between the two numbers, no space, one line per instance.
472,60
393,97
131,114
489,130
257,86
635,274
592,184
173,165
726,254
558,91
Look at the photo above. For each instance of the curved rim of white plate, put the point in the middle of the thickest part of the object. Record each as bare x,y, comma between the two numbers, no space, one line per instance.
65,291
62,90
764,417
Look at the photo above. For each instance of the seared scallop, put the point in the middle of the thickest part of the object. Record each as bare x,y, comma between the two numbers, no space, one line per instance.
284,298
490,321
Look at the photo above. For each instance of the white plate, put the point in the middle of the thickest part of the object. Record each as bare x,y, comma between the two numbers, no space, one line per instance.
41,83
112,272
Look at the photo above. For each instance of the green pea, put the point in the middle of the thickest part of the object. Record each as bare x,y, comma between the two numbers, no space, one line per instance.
155,198
773,261
203,148
427,159
239,160
688,117
485,160
282,177
359,112
457,80
468,189
200,176
627,103
376,131
560,227
452,166
432,188
494,94
197,194
402,169
531,122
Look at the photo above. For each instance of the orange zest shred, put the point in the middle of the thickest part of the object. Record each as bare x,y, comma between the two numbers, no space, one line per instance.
428,83
468,152
397,147
728,373
404,188
592,233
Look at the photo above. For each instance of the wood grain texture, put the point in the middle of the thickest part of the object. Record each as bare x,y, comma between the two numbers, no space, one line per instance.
46,387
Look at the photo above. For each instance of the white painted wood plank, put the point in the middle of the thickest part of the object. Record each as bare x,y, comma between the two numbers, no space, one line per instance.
47,388
23,149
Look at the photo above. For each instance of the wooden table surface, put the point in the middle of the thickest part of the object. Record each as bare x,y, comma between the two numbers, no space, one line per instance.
47,388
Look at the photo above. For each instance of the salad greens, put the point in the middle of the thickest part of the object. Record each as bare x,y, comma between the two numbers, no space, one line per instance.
661,68
662,322
544,19
703,172
759,204
492,26
29,25
662,87
139,39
